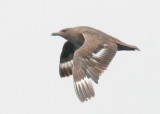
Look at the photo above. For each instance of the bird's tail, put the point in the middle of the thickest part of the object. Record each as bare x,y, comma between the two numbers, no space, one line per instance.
127,47
123,46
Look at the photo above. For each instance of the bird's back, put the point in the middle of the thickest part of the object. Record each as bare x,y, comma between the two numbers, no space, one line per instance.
108,38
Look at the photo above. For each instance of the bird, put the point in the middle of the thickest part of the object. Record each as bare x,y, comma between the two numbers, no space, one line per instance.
85,55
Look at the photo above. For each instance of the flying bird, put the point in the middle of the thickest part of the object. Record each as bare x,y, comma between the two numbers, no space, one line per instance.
85,55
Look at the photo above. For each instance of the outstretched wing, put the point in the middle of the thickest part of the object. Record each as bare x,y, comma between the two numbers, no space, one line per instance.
66,59
89,62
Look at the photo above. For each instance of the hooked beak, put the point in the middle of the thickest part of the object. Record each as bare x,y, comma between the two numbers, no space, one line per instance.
55,34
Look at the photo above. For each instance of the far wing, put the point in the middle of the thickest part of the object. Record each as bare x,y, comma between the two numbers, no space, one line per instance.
66,59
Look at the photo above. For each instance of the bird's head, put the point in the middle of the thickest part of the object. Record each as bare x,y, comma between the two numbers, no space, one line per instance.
70,34
65,33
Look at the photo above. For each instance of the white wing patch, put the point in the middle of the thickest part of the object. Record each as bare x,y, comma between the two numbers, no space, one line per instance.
84,89
66,64
99,53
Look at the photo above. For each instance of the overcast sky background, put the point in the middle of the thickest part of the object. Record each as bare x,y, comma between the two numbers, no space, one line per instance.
29,56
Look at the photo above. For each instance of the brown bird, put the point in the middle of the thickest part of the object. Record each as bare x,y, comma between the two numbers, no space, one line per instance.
85,55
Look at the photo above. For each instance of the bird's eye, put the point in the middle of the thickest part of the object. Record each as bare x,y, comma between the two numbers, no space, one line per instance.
63,30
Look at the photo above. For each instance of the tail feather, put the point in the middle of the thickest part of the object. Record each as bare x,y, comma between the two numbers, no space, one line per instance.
127,47
123,46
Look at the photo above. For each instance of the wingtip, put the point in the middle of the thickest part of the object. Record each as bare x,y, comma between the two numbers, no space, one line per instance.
84,90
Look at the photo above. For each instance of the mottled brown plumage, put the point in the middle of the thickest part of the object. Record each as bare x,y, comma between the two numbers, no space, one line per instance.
86,54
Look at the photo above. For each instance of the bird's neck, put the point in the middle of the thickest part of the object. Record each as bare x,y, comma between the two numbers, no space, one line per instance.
77,40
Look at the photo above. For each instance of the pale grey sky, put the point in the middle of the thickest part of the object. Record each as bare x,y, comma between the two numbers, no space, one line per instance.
29,56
